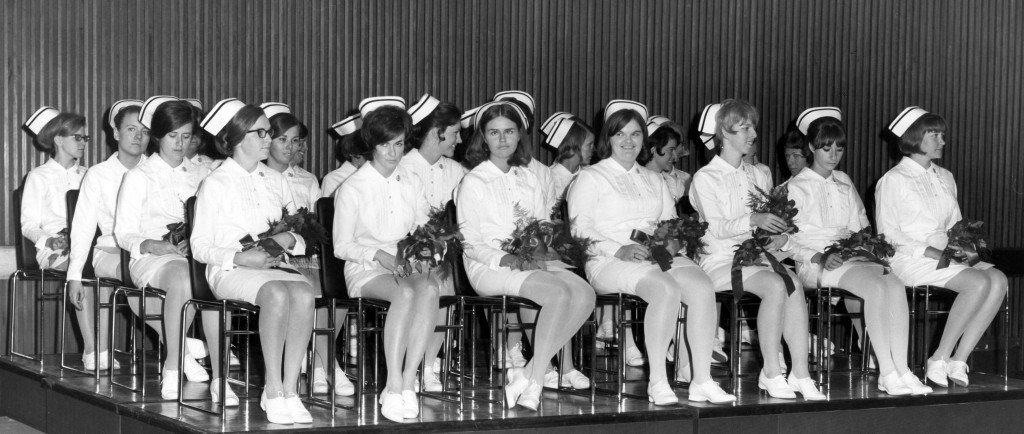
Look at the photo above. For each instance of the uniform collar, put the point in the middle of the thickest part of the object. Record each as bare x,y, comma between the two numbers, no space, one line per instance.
54,165
231,165
720,164
616,168
915,168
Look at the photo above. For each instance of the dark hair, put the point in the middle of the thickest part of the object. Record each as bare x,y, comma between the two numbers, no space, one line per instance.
615,123
656,142
351,146
234,132
794,139
910,143
132,110
572,144
477,152
384,124
732,112
62,125
443,117
825,131
282,122
170,116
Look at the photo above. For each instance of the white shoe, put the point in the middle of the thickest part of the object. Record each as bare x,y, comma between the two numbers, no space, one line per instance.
391,406
718,353
812,344
230,399
806,387
916,386
320,385
530,398
777,387
342,385
683,374
196,348
957,371
194,372
89,361
517,383
935,371
575,379
709,391
551,379
233,360
747,336
297,410
169,384
277,409
410,405
430,381
892,385
634,357
661,394
515,355
436,365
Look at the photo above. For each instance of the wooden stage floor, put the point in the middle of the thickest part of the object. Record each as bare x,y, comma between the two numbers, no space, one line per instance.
45,399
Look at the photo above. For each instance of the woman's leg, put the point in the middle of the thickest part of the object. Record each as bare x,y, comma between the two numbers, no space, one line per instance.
866,282
400,293
662,295
769,287
173,280
436,339
421,325
697,293
986,312
274,302
899,321
299,326
972,290
550,332
581,304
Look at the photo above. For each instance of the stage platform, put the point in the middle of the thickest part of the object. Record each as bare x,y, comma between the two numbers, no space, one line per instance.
45,399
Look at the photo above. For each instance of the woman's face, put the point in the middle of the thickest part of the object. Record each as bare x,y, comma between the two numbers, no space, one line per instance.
72,144
449,139
626,143
828,157
667,159
742,139
932,143
174,143
282,147
502,137
387,155
587,150
132,138
253,146
795,160
299,153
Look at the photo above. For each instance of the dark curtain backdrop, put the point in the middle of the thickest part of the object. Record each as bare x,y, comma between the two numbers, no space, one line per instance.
869,57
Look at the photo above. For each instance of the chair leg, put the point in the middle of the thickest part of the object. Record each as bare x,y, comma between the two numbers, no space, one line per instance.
734,343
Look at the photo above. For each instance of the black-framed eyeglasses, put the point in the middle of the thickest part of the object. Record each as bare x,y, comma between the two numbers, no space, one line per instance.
262,132
80,137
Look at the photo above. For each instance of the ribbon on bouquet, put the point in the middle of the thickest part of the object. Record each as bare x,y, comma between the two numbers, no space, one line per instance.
742,258
967,254
270,246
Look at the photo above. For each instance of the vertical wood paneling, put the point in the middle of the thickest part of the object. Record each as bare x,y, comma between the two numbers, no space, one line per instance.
871,58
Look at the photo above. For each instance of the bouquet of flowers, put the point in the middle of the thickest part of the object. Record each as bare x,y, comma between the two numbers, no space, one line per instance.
966,244
65,241
690,233
663,243
302,222
572,249
775,202
749,253
430,247
530,237
862,244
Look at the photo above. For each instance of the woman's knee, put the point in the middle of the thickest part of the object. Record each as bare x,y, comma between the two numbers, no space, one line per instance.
997,282
660,289
301,295
273,294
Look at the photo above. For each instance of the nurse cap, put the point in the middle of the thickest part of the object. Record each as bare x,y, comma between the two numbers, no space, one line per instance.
517,95
804,121
706,124
373,103
220,115
121,105
617,105
348,125
655,122
150,106
271,109
423,108
905,119
40,118
477,117
552,122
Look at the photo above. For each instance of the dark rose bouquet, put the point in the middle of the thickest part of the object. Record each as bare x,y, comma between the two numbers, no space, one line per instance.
663,242
573,250
775,202
966,244
430,247
63,242
863,244
530,238
302,222
690,232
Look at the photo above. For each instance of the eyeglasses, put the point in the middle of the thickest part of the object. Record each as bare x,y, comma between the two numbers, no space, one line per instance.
262,132
80,137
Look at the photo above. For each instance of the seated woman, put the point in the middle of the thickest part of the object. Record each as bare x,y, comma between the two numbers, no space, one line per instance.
488,200
916,205
662,152
375,209
151,197
609,201
235,204
720,193
574,141
349,150
830,209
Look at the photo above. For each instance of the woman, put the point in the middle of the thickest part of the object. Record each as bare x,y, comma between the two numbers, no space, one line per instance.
916,205
660,156
383,203
574,141
152,196
831,209
495,190
235,203
720,193
349,150
609,201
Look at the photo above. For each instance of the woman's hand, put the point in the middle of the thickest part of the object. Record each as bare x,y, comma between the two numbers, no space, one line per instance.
831,261
159,248
256,258
633,253
56,243
386,260
76,294
769,222
285,240
777,241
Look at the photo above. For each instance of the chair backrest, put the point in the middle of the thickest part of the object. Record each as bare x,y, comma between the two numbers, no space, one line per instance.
683,207
24,251
460,279
332,268
196,270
